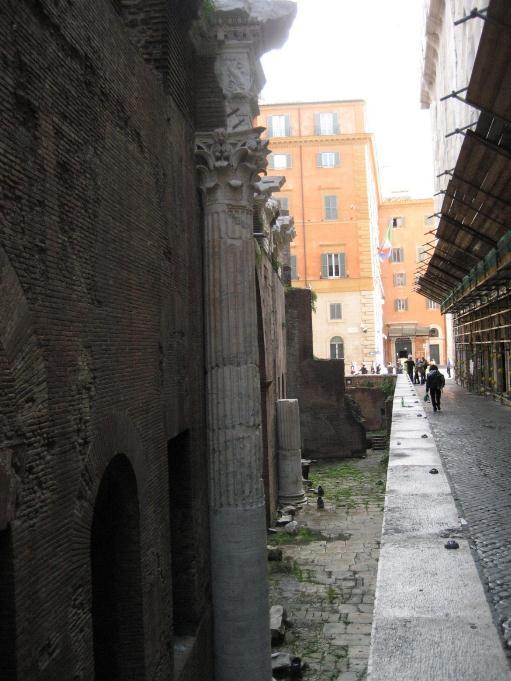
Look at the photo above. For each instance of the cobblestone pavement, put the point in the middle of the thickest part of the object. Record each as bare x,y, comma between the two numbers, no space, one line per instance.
473,435
327,583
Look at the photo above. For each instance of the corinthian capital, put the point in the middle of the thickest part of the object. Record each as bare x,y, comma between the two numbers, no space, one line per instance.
229,164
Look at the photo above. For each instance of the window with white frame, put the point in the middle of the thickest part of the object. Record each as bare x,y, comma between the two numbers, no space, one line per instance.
399,279
422,253
335,311
280,161
331,211
397,255
336,348
333,265
397,221
326,123
432,304
328,159
294,272
401,304
279,126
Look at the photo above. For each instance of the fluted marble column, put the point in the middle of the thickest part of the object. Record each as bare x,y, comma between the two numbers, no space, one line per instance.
229,163
290,452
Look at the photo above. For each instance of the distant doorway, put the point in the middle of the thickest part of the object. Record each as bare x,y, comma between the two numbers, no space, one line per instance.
403,347
434,353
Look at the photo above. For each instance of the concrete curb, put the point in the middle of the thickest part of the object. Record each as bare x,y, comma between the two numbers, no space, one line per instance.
431,618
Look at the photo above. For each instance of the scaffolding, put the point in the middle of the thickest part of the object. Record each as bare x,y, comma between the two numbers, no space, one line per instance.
482,336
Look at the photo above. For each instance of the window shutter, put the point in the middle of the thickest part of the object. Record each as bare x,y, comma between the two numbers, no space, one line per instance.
336,123
342,264
293,267
269,125
317,124
337,159
395,305
287,125
324,266
319,160
406,303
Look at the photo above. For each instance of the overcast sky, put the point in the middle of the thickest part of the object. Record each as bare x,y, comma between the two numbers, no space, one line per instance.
363,49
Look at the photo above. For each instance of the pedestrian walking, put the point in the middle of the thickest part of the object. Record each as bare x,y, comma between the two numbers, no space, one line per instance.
435,383
423,367
410,365
363,369
416,375
449,367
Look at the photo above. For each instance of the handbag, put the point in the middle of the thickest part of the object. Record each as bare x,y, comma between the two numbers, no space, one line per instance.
426,397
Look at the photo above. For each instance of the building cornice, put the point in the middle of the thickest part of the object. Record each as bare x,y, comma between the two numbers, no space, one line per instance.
320,139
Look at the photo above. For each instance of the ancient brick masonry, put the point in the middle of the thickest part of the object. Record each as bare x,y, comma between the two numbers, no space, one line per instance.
100,344
329,428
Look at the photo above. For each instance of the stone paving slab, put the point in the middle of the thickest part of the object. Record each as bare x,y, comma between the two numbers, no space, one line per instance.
329,588
431,620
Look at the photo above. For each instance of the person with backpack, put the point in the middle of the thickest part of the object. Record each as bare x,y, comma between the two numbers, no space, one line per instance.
434,385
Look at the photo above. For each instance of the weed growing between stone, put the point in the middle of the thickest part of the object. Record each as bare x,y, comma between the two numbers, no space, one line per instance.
303,536
351,486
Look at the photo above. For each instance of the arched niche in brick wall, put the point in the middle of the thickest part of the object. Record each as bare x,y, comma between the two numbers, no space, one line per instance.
117,453
116,580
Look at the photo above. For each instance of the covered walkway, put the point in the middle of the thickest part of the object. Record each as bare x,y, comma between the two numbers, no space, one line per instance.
473,436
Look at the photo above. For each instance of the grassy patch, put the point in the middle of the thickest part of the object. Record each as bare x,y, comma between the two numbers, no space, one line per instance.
303,536
350,486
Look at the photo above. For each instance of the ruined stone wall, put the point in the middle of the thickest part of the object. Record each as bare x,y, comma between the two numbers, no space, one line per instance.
101,341
273,369
330,428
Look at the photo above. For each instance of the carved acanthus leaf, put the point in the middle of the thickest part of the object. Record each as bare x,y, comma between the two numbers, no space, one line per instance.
233,159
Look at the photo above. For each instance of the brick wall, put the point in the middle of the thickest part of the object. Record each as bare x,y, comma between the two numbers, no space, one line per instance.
329,429
100,315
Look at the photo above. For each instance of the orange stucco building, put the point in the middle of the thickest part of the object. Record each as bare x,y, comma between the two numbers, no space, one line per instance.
412,324
331,189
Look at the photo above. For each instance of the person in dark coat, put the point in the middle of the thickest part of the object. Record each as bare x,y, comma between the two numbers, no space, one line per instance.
410,364
434,385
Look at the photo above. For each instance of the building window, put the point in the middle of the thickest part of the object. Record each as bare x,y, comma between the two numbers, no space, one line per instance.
279,126
399,279
280,161
428,219
432,304
397,255
335,311
434,333
333,265
336,348
422,253
326,123
328,159
294,273
283,203
330,207
401,304
397,221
